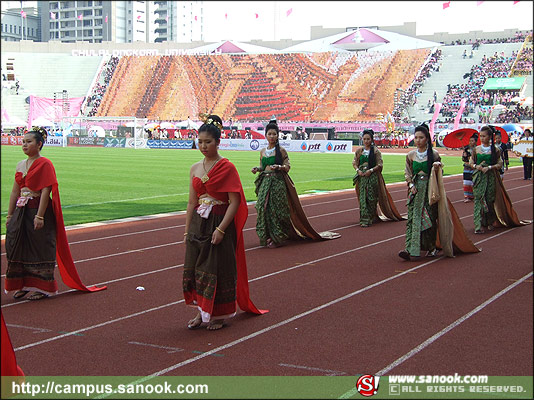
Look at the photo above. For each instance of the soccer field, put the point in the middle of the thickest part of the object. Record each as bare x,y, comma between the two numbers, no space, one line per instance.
98,184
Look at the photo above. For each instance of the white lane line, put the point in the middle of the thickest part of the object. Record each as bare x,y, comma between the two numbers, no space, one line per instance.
327,372
146,217
435,337
170,350
36,330
264,330
142,274
250,249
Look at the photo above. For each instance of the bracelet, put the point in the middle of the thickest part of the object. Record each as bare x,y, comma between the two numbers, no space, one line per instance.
39,217
220,230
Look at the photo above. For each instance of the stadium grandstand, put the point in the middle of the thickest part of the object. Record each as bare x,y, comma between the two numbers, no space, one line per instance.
356,77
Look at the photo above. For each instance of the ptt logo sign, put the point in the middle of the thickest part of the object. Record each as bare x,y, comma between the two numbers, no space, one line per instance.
303,146
310,146
337,147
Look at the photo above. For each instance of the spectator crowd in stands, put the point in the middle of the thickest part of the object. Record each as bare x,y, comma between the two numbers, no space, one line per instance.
496,66
98,92
409,97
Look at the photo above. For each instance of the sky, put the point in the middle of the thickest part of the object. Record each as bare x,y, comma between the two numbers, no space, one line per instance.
241,23
275,22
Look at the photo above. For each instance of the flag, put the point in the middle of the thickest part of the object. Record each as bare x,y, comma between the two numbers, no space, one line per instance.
446,5
196,18
256,15
106,20
167,18
479,3
289,12
459,115
23,13
226,16
515,2
80,17
138,17
437,108
52,15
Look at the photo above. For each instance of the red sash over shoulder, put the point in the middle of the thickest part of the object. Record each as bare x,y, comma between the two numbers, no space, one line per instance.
224,177
40,175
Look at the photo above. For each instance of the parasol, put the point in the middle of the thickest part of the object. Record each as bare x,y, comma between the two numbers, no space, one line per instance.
504,135
459,138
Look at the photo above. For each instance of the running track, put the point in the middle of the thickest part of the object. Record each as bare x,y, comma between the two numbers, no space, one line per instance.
343,307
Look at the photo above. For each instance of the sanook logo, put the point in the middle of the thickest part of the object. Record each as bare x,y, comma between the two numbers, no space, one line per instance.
367,385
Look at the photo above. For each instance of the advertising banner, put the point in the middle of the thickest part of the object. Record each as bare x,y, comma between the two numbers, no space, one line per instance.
114,142
169,144
85,141
312,146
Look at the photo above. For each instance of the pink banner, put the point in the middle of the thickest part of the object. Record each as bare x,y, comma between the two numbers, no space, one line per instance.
437,108
459,115
53,110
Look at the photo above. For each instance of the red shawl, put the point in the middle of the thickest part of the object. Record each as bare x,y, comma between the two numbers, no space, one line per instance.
9,361
224,177
40,175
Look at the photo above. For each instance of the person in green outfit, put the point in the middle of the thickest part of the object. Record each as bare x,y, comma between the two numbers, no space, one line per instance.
369,184
274,221
485,160
421,228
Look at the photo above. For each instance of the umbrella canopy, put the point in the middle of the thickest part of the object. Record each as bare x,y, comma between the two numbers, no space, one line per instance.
97,131
511,128
189,124
13,122
459,138
504,135
41,121
166,125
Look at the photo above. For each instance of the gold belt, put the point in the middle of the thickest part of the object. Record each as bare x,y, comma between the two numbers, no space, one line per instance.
210,201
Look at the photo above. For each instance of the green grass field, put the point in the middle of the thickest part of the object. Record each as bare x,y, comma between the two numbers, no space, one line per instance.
98,184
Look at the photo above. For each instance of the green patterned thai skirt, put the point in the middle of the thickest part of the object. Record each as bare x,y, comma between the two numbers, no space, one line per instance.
421,228
484,192
368,197
273,221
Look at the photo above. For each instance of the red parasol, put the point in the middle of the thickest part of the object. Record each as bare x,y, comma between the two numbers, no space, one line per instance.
459,138
504,135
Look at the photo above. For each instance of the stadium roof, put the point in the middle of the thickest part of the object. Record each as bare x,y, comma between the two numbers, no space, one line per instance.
231,47
362,39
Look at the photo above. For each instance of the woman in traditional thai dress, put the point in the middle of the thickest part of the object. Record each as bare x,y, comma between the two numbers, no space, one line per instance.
428,206
280,214
468,172
35,234
273,221
369,183
492,204
215,270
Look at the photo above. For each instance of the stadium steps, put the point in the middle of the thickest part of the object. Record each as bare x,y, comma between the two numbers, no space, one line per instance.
453,67
39,75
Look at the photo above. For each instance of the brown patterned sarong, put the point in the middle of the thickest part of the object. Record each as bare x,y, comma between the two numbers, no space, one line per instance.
210,274
31,254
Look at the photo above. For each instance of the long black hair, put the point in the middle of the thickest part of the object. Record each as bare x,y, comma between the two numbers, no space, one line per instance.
278,159
429,153
213,125
372,158
490,129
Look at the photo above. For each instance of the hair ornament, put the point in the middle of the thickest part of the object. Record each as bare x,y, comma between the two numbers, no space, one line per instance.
205,118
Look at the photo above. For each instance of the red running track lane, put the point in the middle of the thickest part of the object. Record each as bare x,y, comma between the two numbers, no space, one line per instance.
346,306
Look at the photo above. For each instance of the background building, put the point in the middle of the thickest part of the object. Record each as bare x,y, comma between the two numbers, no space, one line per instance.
21,24
105,21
